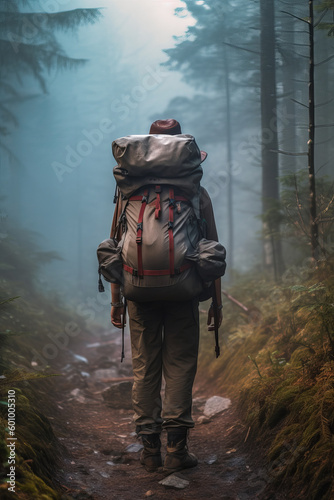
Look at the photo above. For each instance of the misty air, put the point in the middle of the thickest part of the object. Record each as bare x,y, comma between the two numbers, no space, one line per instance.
166,242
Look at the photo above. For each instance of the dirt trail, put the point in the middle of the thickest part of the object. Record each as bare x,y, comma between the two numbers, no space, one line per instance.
102,458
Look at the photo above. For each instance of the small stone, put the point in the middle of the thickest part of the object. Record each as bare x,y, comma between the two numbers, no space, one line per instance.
149,493
174,481
78,395
79,358
203,419
104,474
215,405
134,447
211,459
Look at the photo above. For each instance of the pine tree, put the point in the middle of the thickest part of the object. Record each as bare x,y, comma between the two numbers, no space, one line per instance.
29,48
213,58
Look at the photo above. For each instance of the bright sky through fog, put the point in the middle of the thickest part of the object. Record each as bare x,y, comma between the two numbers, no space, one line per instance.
147,24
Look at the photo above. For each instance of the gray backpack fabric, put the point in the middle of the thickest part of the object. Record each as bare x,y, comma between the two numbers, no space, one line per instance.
157,159
163,253
209,258
161,228
110,262
159,178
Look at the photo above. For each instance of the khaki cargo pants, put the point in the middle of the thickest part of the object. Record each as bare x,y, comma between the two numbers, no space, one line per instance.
164,340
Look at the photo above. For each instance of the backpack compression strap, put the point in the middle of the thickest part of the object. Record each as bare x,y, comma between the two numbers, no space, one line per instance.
156,272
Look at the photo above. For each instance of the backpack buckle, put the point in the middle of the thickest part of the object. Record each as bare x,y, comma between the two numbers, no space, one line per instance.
171,202
139,236
170,224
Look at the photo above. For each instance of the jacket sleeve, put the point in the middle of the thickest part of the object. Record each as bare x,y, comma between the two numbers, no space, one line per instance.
208,215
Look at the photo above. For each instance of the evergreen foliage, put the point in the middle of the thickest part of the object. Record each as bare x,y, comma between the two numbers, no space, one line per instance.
200,56
29,49
294,210
325,7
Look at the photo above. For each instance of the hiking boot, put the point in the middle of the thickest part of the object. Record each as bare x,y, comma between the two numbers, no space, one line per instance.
150,456
178,456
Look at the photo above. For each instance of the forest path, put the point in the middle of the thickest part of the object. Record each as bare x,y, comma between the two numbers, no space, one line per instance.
102,457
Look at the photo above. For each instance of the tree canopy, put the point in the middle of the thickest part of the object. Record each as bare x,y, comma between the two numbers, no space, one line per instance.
29,49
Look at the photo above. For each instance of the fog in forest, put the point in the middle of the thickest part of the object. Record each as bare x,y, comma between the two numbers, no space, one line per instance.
56,163
252,81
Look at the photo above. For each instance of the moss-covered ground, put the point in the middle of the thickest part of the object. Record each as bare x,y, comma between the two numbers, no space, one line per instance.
279,367
26,322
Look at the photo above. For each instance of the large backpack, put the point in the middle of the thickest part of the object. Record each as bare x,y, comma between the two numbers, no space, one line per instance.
158,177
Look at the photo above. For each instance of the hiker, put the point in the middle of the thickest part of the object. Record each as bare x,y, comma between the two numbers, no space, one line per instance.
164,340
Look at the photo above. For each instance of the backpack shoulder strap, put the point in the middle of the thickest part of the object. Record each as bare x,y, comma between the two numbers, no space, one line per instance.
117,224
196,204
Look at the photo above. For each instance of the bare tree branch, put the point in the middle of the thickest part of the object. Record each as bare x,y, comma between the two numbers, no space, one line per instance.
296,17
321,18
324,61
322,166
324,103
301,103
325,209
241,48
288,153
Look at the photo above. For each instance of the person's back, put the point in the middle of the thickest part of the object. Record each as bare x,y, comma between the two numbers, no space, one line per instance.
164,331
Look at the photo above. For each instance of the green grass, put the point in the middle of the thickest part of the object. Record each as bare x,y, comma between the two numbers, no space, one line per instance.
280,372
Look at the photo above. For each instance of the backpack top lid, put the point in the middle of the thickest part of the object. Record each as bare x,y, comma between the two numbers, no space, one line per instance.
157,159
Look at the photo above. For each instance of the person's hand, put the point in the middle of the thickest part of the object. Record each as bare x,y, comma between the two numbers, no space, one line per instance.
116,316
211,321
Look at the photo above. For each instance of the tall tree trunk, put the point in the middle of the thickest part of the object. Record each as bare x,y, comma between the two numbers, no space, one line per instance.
272,250
311,173
288,132
229,160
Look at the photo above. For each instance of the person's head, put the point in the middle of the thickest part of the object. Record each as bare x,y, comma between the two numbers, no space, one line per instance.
170,127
